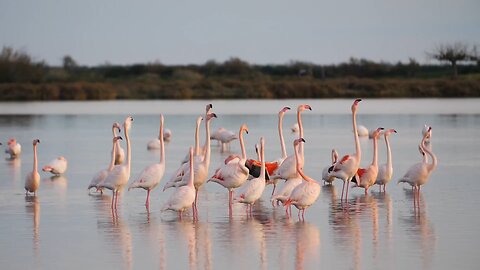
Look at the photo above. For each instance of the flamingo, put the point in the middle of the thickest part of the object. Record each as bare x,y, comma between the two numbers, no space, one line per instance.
151,175
32,181
197,151
307,192
101,175
326,176
287,169
119,152
365,178
201,165
294,128
184,196
233,173
385,171
118,177
419,173
155,142
224,137
254,188
427,141
13,148
347,167
363,131
57,166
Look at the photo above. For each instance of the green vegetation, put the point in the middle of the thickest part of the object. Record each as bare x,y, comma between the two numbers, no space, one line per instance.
22,79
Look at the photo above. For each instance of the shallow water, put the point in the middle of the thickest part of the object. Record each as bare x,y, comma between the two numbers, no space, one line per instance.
65,227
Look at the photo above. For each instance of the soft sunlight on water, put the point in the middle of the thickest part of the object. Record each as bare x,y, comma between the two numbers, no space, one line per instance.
66,228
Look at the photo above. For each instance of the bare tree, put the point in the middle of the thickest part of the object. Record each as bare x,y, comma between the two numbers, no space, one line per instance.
451,53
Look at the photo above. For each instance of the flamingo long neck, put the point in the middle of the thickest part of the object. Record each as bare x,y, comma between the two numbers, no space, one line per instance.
192,176
300,133
114,131
280,133
433,165
206,158
358,151
262,158
389,152
129,150
242,145
197,140
35,163
375,151
299,170
162,143
334,158
112,160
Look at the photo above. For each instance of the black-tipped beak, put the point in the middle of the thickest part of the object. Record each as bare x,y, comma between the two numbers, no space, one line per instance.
358,99
381,128
429,128
210,105
394,131
214,115
120,138
288,108
246,131
302,139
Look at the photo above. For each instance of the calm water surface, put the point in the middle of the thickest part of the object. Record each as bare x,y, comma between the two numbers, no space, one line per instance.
66,228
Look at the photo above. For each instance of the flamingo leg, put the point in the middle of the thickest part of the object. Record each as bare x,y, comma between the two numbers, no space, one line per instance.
384,188
343,187
274,187
147,202
113,198
303,214
196,196
346,194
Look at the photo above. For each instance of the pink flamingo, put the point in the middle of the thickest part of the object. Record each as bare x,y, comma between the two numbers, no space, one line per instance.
57,166
119,152
385,171
101,175
32,181
13,148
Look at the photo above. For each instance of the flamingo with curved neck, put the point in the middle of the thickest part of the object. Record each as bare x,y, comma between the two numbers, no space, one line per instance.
385,171
347,167
151,176
32,181
120,174
120,153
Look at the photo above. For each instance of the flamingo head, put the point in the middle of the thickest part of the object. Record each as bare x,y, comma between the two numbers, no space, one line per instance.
12,141
284,110
243,127
208,108
298,141
355,104
428,133
210,116
376,133
304,107
390,131
36,141
62,158
199,120
117,126
115,139
128,123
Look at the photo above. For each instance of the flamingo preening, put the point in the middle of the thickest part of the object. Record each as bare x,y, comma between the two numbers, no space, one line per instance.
119,152
101,175
365,177
347,167
385,171
32,181
118,177
13,148
150,176
57,166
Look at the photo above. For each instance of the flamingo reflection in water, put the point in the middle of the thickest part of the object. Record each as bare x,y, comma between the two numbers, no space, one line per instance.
33,207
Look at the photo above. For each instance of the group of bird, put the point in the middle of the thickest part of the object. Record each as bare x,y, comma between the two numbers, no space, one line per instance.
248,176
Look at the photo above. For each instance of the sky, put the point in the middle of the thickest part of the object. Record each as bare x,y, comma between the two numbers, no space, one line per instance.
96,32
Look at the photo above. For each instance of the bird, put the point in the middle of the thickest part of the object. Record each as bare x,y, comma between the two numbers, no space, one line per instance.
154,143
119,152
118,177
201,165
294,128
327,178
347,167
254,166
32,181
197,151
254,188
57,166
14,149
366,177
167,135
233,173
225,137
419,173
287,169
385,171
427,141
151,176
184,196
305,194
101,175
362,131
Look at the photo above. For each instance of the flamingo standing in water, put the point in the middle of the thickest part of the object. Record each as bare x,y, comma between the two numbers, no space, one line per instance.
119,152
118,177
101,175
385,171
32,181
184,196
13,148
347,167
254,188
233,173
150,176
326,176
306,193
365,178
288,169
419,173
57,166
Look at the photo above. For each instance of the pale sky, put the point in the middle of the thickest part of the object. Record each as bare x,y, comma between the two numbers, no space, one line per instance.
94,32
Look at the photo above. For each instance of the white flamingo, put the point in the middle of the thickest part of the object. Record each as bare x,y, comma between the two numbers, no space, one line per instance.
307,192
326,176
366,178
288,169
119,152
385,171
154,143
233,173
363,131
254,188
150,176
101,175
294,128
225,137
13,148
419,173
184,196
57,166
427,141
347,167
118,177
32,181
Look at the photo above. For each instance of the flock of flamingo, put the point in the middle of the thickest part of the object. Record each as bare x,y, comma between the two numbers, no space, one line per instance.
248,176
